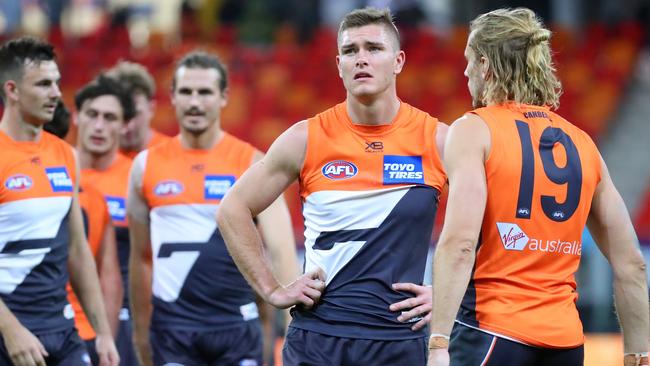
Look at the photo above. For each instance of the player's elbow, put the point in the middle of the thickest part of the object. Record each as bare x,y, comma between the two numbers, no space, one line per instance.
458,249
229,211
632,267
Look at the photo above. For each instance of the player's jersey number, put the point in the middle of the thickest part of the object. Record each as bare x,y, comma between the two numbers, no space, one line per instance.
569,175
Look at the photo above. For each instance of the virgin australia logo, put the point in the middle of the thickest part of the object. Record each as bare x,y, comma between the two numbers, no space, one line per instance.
512,237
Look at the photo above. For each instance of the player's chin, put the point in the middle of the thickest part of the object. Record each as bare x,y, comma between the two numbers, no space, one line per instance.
364,91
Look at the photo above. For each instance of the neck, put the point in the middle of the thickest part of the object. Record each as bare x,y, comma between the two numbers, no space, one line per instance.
88,160
18,129
204,140
374,112
145,140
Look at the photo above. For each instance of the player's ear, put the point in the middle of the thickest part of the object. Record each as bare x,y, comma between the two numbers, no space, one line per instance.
224,97
338,66
10,88
400,59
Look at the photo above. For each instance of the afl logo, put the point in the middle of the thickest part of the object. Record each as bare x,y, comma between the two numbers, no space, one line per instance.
168,188
18,182
339,169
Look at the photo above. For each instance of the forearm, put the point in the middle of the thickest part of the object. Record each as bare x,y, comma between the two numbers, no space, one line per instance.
113,292
631,298
612,229
277,232
452,268
7,319
85,283
245,246
140,295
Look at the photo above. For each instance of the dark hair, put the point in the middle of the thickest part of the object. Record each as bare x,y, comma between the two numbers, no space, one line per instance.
104,85
203,60
14,54
134,78
60,123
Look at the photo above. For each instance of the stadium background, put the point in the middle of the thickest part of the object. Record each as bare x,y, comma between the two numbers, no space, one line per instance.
280,55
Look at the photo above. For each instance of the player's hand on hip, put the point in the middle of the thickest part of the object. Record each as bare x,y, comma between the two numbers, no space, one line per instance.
438,357
106,350
23,347
414,307
305,291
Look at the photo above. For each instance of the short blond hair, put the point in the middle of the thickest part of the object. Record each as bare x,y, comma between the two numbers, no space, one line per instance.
516,45
366,16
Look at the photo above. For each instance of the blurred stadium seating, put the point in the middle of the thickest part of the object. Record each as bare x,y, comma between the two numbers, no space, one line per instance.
273,86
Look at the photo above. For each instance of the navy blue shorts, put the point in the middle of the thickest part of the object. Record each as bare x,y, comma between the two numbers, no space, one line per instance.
124,341
237,346
65,348
92,351
307,348
472,347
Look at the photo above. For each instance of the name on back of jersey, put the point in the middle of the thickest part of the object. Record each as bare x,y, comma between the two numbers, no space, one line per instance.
403,169
216,186
59,179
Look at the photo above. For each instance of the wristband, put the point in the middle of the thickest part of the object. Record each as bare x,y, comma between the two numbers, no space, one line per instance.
438,341
635,359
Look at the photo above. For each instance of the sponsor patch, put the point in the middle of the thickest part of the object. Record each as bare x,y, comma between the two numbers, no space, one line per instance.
124,314
116,207
19,182
512,237
216,186
68,311
59,179
374,146
168,188
403,169
249,311
339,169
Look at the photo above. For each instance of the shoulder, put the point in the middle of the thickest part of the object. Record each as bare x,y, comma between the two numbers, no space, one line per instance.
50,140
138,167
235,143
289,148
469,123
469,132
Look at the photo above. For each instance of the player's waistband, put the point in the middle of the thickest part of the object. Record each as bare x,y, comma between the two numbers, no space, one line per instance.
355,328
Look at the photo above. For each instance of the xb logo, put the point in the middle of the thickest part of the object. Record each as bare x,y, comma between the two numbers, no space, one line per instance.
375,146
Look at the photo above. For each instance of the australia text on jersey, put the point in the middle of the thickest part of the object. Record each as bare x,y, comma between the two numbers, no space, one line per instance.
514,238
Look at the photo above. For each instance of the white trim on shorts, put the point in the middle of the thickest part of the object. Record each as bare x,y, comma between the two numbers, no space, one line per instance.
494,334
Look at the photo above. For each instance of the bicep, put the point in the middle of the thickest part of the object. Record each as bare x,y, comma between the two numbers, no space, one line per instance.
465,166
136,206
140,240
609,221
108,249
265,180
77,232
